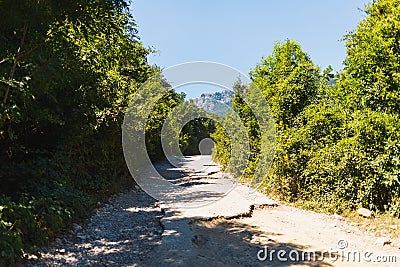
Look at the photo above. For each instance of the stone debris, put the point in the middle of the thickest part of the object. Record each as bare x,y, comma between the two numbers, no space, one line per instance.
338,217
364,212
121,233
382,241
76,227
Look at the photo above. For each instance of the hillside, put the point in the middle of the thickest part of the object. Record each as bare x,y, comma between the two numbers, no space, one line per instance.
218,103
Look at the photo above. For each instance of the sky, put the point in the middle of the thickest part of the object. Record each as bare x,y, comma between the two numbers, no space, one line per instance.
240,33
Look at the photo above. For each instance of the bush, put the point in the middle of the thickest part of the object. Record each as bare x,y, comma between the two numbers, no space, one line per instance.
338,140
61,113
10,240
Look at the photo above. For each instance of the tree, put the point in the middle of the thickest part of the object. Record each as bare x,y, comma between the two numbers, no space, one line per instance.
371,78
289,81
67,73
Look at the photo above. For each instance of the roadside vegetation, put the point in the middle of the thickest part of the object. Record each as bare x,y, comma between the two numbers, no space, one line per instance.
67,71
338,134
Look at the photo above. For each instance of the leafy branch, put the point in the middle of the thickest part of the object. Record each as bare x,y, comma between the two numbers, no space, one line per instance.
17,58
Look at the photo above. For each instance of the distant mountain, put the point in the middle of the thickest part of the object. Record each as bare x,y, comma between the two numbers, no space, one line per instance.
218,103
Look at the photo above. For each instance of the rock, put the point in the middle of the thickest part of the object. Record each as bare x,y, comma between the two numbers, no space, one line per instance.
394,227
81,236
77,227
62,251
58,241
338,217
383,241
32,257
70,259
364,212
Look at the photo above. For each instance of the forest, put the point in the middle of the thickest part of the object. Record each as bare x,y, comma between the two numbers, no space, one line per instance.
69,69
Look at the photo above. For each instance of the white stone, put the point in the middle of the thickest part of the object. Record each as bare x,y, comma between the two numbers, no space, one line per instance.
383,241
77,227
364,212
338,217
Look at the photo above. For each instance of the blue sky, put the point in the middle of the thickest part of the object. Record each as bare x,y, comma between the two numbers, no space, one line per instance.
239,33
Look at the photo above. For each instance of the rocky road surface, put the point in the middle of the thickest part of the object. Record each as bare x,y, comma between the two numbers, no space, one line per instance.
241,227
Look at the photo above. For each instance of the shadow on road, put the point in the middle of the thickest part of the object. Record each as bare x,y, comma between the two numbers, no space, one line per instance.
220,242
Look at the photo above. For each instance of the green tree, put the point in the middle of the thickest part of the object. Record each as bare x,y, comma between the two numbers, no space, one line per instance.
67,73
288,79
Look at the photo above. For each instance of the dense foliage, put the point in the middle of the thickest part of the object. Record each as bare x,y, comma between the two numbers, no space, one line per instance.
67,71
193,133
338,136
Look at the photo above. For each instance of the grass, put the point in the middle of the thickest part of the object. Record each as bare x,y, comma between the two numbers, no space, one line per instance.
379,225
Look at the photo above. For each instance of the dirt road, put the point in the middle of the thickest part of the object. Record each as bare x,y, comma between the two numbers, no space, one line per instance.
242,228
